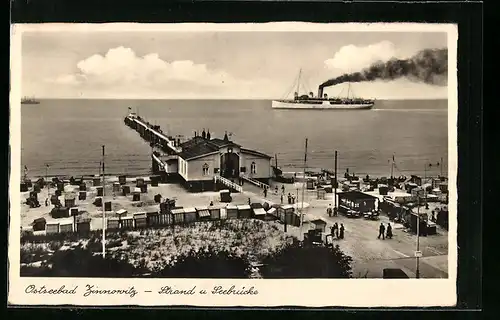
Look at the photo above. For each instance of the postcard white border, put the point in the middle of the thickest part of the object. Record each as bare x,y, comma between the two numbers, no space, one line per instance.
307,293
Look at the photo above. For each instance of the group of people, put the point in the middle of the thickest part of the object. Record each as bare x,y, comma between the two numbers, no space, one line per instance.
291,197
332,212
385,232
336,231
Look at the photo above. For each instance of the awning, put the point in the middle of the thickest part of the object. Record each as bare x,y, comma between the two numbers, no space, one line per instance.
203,213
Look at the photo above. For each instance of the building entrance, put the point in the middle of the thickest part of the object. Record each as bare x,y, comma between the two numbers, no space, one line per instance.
230,164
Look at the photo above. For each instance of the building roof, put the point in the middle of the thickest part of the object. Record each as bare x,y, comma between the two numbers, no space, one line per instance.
256,153
199,147
197,150
356,195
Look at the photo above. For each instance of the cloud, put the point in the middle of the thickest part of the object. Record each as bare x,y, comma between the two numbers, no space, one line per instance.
121,68
352,58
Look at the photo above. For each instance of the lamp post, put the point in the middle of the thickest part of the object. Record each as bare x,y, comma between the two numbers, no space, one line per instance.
417,273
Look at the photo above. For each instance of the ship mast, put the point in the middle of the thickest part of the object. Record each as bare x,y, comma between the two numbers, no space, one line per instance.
298,81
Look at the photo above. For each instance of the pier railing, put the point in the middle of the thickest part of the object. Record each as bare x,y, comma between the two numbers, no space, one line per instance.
228,183
256,182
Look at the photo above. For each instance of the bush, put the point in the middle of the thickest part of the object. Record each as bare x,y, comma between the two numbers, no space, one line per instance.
207,263
298,262
83,263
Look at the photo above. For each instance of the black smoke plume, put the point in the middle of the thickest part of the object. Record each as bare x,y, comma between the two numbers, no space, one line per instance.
429,66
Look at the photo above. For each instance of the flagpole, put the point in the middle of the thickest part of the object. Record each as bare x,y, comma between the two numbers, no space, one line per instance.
103,209
303,183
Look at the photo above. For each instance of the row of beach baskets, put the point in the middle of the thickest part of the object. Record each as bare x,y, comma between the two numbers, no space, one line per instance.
178,215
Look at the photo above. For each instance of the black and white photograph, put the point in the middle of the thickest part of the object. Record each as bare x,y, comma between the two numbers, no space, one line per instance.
215,153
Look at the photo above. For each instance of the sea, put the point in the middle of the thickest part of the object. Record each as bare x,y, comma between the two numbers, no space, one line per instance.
65,137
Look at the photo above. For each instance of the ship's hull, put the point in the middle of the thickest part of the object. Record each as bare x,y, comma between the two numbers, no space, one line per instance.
321,105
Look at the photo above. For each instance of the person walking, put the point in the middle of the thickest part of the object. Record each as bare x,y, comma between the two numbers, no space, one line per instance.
281,198
329,210
276,190
336,228
289,198
389,231
341,231
265,192
283,189
381,231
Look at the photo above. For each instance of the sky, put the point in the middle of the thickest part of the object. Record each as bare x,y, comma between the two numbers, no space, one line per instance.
215,65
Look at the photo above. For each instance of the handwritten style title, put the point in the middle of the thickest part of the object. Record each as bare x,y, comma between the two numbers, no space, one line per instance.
92,290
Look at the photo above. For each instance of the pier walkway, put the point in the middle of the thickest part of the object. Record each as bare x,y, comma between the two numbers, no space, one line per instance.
152,134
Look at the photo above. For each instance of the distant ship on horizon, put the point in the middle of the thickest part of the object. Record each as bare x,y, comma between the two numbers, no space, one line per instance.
29,100
322,101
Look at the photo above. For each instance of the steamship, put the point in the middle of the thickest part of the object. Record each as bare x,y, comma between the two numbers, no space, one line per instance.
29,100
322,101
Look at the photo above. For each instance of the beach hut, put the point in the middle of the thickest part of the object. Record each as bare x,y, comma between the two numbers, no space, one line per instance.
244,211
127,222
136,195
259,213
73,211
178,215
214,212
189,215
24,187
82,195
203,213
116,187
144,188
225,196
139,182
99,191
59,212
310,185
82,187
107,205
165,219
54,200
83,226
96,181
232,211
383,189
122,179
223,212
285,213
52,227
443,187
113,223
140,219
157,198
272,213
319,224
125,190
154,180
66,226
121,212
39,224
152,218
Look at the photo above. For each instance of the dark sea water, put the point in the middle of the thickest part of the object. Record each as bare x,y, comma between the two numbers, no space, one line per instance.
68,134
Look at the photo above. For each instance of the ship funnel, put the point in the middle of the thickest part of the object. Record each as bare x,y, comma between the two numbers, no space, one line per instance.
320,92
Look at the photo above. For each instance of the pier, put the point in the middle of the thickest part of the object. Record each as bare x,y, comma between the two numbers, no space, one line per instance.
203,162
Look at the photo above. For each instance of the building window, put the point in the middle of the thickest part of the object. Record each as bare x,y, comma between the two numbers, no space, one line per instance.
206,170
252,168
